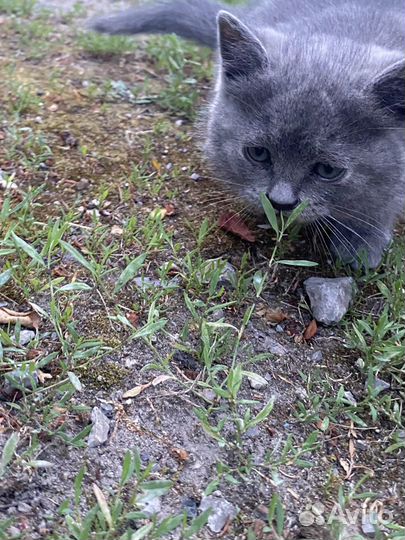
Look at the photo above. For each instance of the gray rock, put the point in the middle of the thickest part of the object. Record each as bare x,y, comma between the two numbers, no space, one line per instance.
228,276
190,506
381,385
195,177
107,409
209,394
221,512
257,383
20,378
24,507
25,337
151,506
316,356
99,431
367,525
271,345
218,315
253,432
330,298
13,532
349,396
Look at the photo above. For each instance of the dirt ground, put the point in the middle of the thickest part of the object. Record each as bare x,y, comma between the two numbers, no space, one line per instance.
314,446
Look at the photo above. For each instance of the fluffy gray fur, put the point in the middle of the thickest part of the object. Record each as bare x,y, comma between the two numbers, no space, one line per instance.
312,82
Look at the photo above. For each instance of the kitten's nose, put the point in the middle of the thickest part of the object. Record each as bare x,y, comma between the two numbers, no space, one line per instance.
283,207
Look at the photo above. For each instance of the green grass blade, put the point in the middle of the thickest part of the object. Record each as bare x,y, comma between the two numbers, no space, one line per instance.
28,249
129,272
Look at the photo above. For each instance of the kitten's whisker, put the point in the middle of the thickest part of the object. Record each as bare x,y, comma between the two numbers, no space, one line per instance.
324,232
350,215
341,237
351,230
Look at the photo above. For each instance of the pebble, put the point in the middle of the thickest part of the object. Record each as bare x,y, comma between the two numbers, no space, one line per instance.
228,276
82,184
13,532
20,377
24,507
367,526
190,505
258,382
381,385
316,356
270,345
221,512
253,432
350,397
145,283
330,298
151,507
195,177
25,337
209,395
99,431
279,329
218,315
107,409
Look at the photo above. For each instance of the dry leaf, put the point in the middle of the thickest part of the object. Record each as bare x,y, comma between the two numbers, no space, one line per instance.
43,376
180,454
133,318
135,391
30,319
156,165
158,213
311,330
170,209
272,315
233,223
160,379
140,388
345,466
102,502
352,450
117,231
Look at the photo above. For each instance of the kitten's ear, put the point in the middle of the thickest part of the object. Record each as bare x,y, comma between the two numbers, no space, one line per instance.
241,51
389,89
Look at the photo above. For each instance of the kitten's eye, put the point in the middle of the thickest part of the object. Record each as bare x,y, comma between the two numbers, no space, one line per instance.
259,154
328,172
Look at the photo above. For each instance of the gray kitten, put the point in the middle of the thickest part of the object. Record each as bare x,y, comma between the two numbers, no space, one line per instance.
308,105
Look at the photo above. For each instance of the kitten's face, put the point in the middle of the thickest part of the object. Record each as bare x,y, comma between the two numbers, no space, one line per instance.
298,130
305,144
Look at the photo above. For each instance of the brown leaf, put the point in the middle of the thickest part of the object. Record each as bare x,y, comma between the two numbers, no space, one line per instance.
140,388
352,449
117,231
272,315
33,353
61,271
233,223
180,454
133,318
170,209
160,379
30,319
311,330
135,391
42,376
156,165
